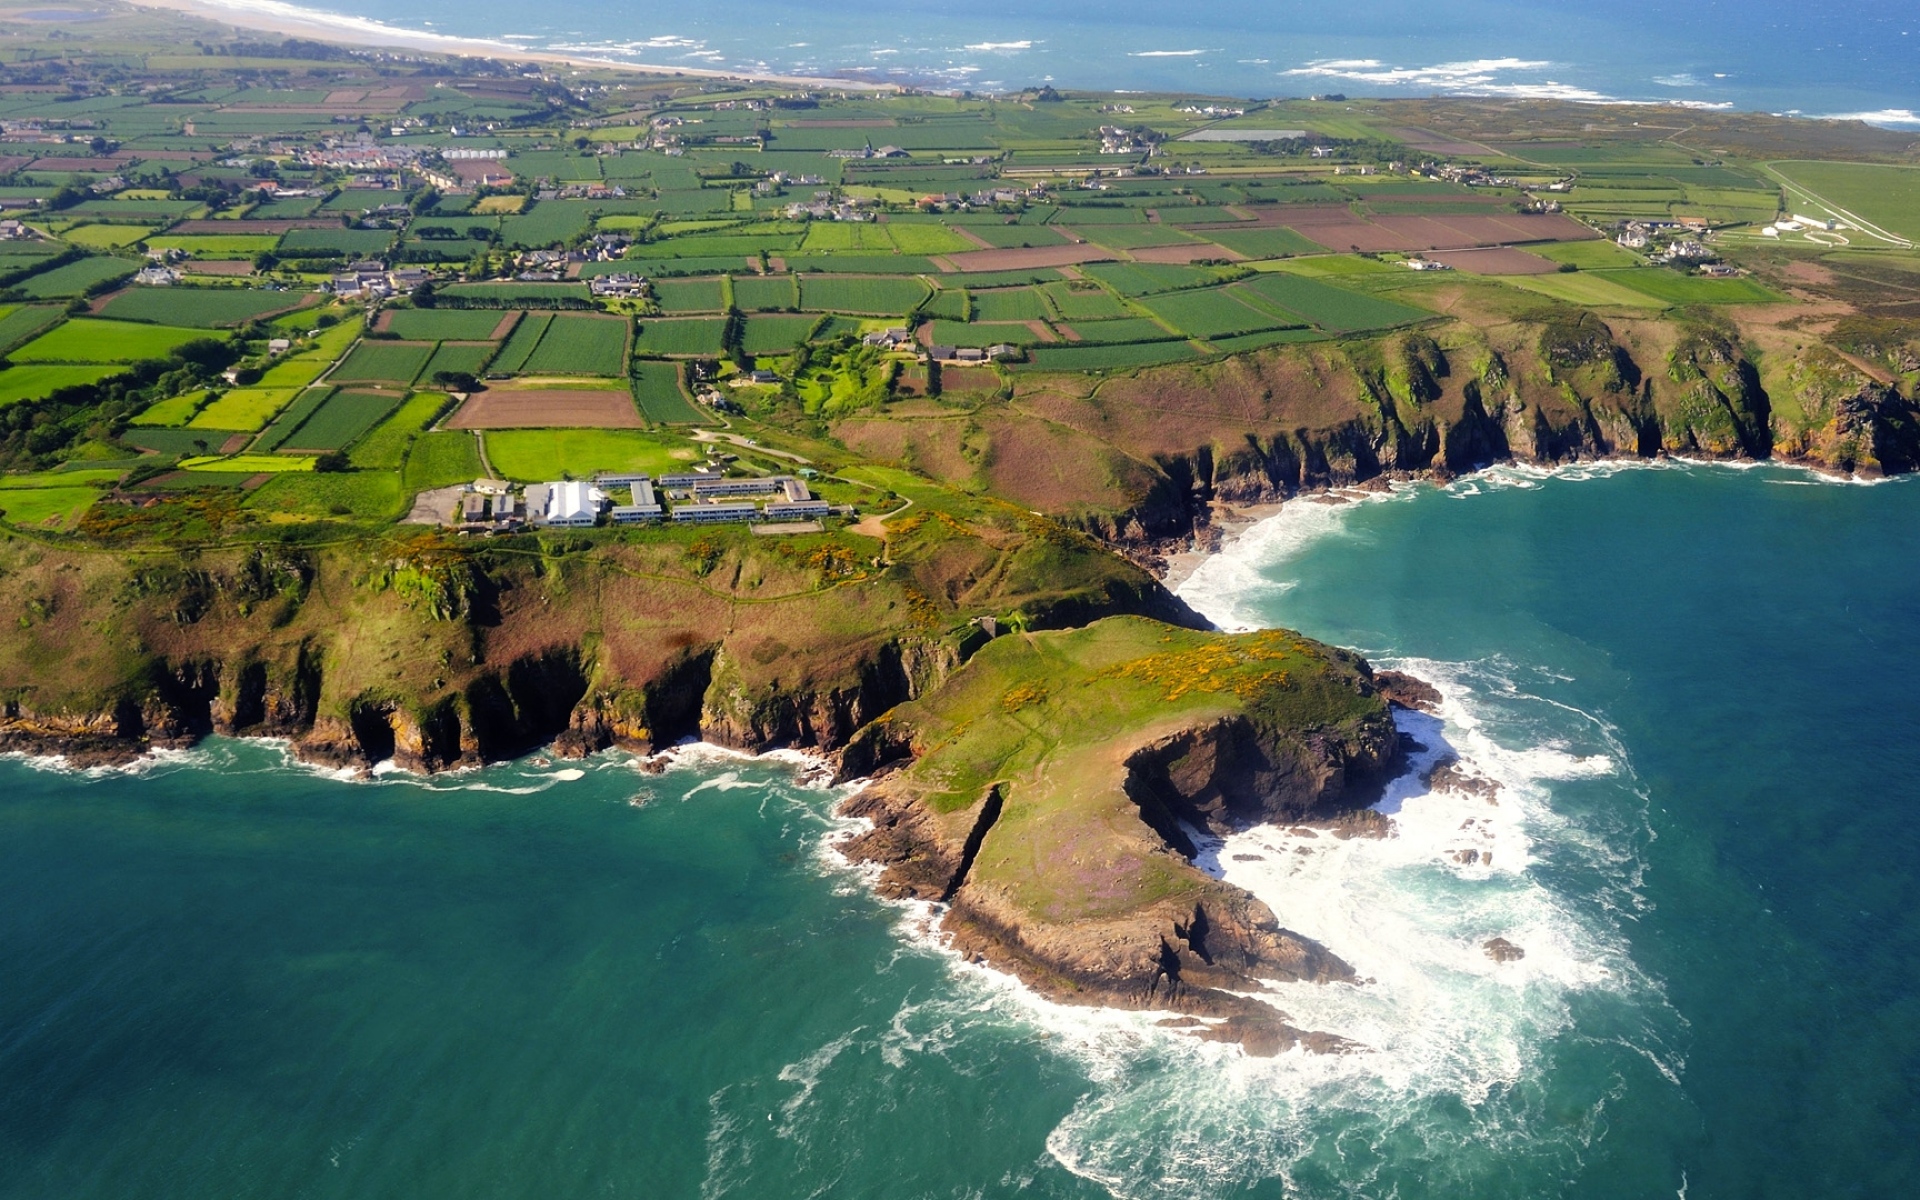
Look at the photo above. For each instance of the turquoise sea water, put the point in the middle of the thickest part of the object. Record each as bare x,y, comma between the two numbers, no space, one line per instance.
1772,55
227,977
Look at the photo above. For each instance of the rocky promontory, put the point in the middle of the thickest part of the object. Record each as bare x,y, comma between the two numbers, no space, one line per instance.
1051,792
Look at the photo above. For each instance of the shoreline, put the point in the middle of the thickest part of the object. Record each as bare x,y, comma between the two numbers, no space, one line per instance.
276,16
1229,522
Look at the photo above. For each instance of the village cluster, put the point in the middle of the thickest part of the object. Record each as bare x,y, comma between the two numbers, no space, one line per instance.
702,496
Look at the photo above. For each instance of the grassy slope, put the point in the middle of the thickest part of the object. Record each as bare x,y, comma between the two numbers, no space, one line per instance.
1051,719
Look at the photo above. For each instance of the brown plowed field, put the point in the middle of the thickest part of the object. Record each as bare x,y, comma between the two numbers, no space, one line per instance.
1500,261
557,409
1027,258
61,162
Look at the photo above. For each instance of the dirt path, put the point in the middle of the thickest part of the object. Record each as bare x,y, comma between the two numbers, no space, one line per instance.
480,444
708,435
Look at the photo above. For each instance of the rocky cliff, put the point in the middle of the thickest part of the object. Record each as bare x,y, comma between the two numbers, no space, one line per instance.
1055,785
435,654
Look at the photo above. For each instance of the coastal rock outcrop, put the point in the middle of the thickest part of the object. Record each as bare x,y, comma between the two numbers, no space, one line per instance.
1058,784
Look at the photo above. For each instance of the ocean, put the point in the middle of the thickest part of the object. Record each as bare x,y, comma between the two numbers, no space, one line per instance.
229,976
1857,59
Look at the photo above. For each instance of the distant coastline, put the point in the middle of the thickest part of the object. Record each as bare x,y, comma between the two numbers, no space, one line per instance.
276,16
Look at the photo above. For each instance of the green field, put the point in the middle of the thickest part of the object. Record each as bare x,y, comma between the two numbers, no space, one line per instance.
577,344
1330,307
954,333
45,508
1211,313
656,389
688,335
878,296
248,464
93,340
1124,329
761,293
311,358
516,293
1144,279
176,410
1590,289
445,324
1083,302
1261,243
242,408
1009,304
532,455
21,323
105,237
76,277
469,358
1588,256
288,422
438,459
387,446
340,420
771,334
1092,358
1675,288
34,382
205,308
383,362
350,243
356,495
1888,197
215,245
520,347
692,295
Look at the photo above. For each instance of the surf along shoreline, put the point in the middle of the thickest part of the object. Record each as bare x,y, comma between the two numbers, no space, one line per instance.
275,16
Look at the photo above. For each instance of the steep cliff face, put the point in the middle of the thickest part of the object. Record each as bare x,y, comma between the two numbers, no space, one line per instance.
436,655
1553,387
1837,416
1054,780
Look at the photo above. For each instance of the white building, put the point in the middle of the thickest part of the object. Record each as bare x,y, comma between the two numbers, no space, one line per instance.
571,504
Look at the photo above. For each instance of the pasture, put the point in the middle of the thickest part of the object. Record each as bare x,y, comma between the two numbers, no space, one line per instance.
1886,196
203,307
579,344
693,295
1211,313
763,293
383,362
685,335
531,455
340,420
447,324
245,409
76,278
773,334
1330,307
96,340
876,296
657,391
33,382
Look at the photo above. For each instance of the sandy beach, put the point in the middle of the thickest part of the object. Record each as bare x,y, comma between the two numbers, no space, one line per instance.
275,16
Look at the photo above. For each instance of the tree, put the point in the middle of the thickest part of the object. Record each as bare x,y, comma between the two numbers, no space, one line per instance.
334,462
